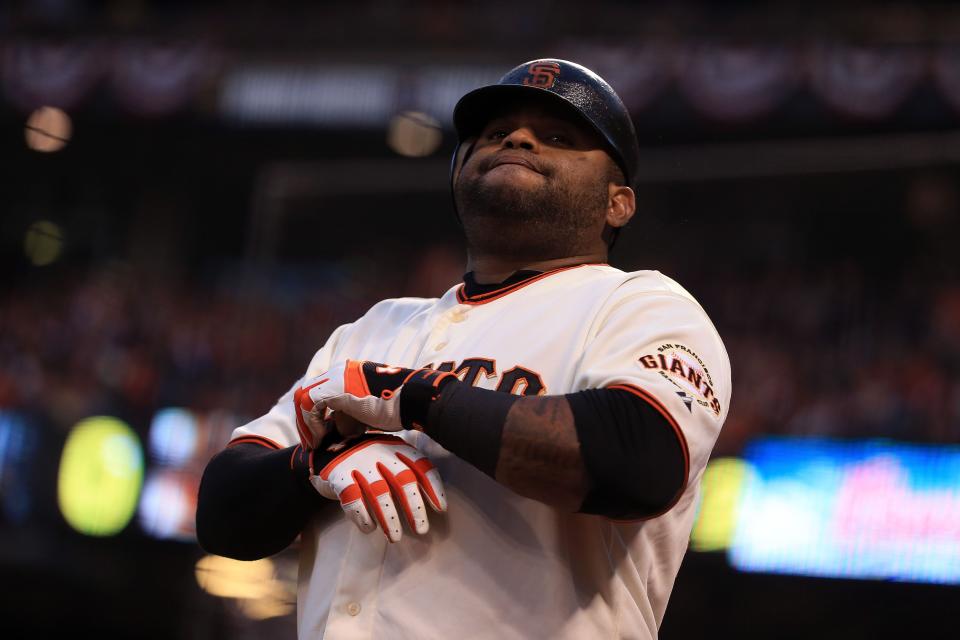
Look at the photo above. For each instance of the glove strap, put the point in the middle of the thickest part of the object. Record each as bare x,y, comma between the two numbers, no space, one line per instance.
306,462
420,389
303,462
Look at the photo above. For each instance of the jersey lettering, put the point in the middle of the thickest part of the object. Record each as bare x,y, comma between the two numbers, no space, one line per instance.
522,382
518,380
470,369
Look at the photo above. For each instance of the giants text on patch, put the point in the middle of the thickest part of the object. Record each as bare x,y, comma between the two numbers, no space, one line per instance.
684,369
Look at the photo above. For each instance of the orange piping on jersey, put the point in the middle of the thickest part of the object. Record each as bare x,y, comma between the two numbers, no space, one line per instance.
293,455
490,296
260,440
652,401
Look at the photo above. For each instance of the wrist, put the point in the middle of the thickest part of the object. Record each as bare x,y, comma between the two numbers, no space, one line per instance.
420,390
469,423
305,463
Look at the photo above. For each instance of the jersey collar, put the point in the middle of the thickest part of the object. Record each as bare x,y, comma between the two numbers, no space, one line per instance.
471,288
472,292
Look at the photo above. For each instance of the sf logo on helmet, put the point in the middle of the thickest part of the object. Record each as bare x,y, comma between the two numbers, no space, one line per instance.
542,74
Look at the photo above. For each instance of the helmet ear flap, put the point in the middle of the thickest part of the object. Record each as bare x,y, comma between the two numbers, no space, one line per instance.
460,156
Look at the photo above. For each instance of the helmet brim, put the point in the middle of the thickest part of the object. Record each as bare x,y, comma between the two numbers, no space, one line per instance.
476,108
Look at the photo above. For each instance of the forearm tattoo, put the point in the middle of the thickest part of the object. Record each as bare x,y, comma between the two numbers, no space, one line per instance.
540,454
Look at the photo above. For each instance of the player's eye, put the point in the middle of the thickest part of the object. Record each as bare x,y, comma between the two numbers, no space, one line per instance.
560,139
497,134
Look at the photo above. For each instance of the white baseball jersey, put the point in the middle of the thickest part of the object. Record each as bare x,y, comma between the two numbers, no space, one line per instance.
499,565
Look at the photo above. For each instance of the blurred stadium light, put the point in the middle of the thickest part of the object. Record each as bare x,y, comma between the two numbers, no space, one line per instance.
48,129
414,134
262,591
168,505
181,442
43,242
100,476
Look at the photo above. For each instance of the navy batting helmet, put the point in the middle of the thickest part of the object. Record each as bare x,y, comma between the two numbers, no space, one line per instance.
569,84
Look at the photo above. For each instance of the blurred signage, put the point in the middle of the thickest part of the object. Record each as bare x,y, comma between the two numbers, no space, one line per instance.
18,448
359,96
866,82
742,83
872,509
146,78
42,72
345,95
722,488
738,83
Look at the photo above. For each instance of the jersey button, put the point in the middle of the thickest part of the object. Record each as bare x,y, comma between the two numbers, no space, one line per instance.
439,346
353,608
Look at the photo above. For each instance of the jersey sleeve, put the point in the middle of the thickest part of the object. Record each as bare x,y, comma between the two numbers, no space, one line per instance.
277,429
662,347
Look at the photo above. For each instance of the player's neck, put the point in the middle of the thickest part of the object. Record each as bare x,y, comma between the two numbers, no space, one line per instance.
489,269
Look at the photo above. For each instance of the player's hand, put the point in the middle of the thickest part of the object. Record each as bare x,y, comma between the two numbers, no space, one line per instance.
368,391
376,477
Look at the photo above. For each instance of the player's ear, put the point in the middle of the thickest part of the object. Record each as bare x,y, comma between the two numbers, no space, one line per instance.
621,204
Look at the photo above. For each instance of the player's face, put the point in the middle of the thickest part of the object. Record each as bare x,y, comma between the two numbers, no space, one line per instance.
535,144
535,169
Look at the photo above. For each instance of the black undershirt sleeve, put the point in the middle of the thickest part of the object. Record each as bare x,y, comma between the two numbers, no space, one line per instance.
634,458
252,504
633,455
469,422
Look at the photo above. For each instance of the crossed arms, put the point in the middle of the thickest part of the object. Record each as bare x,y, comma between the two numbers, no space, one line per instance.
613,452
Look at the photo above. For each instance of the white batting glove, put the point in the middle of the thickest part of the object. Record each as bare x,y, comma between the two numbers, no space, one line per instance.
368,391
374,474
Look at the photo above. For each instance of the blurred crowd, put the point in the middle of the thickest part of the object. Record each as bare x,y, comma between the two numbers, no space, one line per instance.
110,342
839,352
842,356
113,340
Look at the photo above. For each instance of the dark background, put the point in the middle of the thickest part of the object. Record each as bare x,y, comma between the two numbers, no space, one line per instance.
216,253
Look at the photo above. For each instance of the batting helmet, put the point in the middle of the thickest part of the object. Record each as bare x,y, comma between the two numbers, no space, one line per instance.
569,84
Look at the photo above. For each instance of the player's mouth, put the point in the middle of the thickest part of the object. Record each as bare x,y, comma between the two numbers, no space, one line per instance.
509,158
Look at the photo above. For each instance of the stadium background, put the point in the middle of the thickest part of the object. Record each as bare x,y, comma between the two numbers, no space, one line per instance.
193,198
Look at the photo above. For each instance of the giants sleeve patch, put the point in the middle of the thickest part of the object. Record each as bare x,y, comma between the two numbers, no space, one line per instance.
684,369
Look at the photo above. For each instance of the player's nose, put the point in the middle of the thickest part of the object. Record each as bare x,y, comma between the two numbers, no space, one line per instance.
522,138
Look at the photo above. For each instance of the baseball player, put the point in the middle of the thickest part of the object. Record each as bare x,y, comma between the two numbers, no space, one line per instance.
530,443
